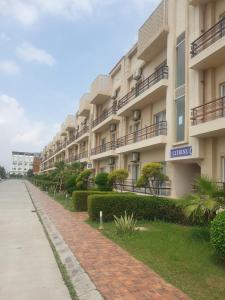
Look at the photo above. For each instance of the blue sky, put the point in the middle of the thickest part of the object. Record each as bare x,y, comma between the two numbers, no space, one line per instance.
50,52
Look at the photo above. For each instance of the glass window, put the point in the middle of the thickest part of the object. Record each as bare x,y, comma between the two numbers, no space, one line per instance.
222,90
180,118
180,64
223,169
135,172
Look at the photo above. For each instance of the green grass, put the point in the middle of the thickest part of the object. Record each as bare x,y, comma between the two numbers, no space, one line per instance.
182,255
67,203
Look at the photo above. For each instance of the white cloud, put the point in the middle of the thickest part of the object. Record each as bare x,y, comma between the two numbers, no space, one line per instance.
9,67
18,132
28,12
30,53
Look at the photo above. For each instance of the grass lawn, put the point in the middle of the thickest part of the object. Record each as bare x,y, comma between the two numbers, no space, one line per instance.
181,255
65,202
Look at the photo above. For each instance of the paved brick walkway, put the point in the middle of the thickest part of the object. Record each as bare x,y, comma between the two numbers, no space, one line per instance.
116,274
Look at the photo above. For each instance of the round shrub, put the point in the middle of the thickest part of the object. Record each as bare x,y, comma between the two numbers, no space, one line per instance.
218,234
102,182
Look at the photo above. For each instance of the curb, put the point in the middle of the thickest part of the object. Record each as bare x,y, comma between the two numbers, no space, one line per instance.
83,285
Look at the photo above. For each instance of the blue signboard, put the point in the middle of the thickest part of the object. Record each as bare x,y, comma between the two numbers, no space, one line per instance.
179,152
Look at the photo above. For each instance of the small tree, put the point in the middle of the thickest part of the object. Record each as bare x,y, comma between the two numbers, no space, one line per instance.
118,176
2,172
82,179
30,173
60,171
152,176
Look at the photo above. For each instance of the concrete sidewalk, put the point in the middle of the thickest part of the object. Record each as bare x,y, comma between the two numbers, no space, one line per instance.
28,267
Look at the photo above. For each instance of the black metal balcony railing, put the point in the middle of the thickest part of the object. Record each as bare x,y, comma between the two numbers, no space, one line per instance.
111,111
161,73
83,154
208,111
143,134
84,130
160,188
208,38
104,147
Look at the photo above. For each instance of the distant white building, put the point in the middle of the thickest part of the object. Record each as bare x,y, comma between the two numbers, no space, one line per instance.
22,162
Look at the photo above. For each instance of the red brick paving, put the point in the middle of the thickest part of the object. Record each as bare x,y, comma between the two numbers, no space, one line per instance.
116,274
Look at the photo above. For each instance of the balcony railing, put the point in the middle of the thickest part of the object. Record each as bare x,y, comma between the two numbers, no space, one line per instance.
208,38
208,111
72,158
104,147
157,188
161,73
143,134
111,111
84,130
83,154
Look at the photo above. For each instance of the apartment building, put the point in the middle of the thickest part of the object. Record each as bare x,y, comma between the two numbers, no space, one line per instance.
22,162
164,101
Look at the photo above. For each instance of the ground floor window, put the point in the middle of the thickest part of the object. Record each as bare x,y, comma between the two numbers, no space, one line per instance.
223,169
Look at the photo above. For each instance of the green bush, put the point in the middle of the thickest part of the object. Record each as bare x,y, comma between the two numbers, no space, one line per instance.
218,234
70,183
80,199
142,207
102,182
82,179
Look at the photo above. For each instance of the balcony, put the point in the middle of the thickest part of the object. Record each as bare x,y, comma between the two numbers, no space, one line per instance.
83,134
200,2
208,50
69,123
146,138
83,156
149,90
104,150
105,119
208,120
72,159
101,89
152,36
84,108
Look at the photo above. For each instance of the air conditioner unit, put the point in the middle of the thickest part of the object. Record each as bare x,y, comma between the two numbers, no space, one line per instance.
115,95
136,115
112,127
111,160
89,166
137,74
135,157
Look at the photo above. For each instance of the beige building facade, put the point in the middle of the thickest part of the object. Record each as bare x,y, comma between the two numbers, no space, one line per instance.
164,101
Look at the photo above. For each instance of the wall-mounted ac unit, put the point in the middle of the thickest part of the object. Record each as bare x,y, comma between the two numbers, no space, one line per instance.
136,115
135,157
114,96
89,166
111,160
112,127
137,74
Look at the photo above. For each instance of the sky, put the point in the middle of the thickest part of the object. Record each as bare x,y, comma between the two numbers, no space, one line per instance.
50,52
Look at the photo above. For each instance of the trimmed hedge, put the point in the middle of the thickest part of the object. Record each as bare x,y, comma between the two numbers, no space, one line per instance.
80,198
142,207
217,234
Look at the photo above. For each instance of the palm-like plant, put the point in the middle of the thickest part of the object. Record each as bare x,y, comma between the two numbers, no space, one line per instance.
201,207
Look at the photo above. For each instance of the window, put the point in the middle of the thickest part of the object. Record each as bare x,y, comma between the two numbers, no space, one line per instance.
136,128
180,60
222,90
158,118
222,18
135,172
223,169
180,116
